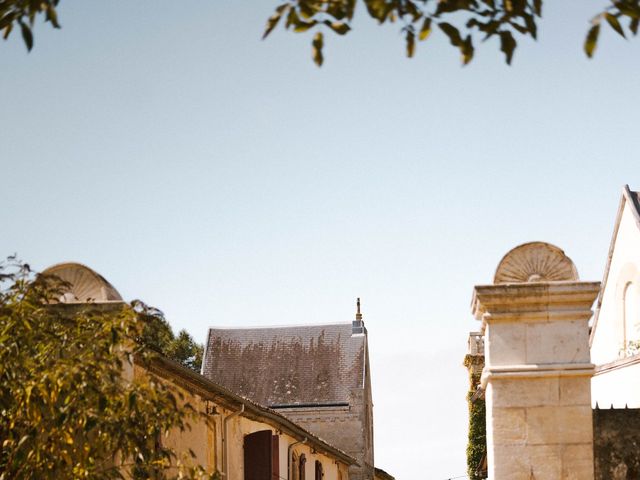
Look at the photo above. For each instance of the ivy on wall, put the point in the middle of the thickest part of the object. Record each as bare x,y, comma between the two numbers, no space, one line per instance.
477,445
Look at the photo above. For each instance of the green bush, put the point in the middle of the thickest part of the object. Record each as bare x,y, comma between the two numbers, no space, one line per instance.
477,444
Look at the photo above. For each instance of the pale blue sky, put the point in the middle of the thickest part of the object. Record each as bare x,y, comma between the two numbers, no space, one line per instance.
229,181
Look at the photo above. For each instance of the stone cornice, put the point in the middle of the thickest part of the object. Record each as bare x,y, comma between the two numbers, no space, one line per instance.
616,364
537,371
534,302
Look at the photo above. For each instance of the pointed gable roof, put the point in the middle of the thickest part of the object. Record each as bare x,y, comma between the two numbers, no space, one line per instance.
632,200
288,366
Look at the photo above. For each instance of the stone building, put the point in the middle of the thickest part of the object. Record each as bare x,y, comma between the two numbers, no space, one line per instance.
615,350
563,394
615,334
537,373
235,436
315,375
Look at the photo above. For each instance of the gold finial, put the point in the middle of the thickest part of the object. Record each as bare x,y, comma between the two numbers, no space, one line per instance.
358,314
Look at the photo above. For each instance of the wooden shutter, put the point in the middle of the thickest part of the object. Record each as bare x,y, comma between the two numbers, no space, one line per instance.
258,456
275,457
261,456
303,466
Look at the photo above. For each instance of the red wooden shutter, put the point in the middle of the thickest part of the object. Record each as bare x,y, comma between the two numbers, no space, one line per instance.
275,457
258,448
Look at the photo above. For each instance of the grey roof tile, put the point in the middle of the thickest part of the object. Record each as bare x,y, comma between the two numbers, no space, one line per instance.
287,365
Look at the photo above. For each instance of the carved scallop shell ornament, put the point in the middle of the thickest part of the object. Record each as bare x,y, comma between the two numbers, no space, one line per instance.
85,284
535,262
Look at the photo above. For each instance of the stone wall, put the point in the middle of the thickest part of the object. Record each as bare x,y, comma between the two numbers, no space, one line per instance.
537,376
617,444
344,426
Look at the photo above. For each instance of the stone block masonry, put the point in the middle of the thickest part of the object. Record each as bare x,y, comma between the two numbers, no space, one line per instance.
537,375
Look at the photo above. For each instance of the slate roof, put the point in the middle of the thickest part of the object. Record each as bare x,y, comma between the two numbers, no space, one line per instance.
278,366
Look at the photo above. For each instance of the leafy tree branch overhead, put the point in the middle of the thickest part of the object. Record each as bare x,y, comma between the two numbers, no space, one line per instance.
463,22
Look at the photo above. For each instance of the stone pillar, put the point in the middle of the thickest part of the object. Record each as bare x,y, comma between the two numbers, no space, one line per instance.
537,379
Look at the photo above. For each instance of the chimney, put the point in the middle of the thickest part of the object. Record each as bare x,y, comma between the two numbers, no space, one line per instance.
357,326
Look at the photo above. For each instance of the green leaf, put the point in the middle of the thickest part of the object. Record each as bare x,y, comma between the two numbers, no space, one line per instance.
631,10
448,6
522,29
305,10
615,24
411,43
467,50
52,15
537,7
425,31
507,45
102,403
412,10
304,26
530,21
292,18
592,40
27,36
339,27
451,32
5,21
274,19
316,48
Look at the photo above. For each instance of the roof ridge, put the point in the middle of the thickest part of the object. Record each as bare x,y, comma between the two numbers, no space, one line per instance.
632,197
628,197
274,327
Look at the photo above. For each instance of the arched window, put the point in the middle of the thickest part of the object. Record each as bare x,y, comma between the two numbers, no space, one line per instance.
631,300
301,467
319,472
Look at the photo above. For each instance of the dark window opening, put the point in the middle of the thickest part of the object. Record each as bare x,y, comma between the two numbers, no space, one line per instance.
261,456
302,466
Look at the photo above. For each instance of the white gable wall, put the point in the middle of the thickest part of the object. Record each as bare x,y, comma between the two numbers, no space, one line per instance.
618,323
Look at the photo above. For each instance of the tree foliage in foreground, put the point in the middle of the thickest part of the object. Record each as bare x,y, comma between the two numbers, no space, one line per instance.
65,409
158,335
463,22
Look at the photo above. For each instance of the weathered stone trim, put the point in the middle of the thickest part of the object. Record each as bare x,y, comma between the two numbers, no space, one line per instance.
539,317
616,364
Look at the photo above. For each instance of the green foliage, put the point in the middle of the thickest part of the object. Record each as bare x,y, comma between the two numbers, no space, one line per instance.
22,13
65,409
477,442
158,335
184,350
477,445
464,22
